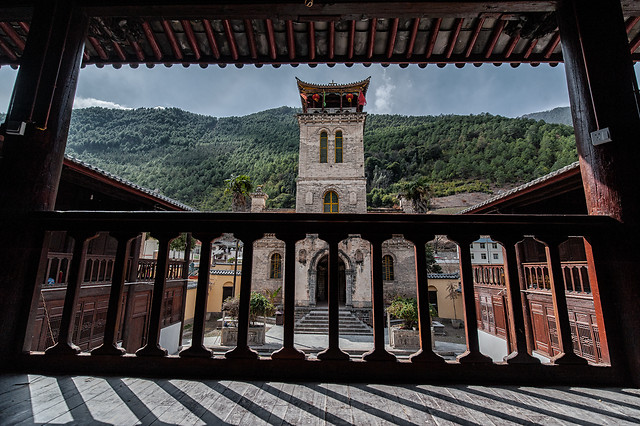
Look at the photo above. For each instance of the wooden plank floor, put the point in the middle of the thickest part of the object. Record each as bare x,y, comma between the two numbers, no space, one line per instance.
36,399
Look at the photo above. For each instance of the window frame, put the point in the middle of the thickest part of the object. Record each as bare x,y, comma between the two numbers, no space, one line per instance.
331,203
324,147
275,266
388,268
339,149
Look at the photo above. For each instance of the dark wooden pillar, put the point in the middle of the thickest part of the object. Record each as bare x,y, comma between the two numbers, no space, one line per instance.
30,164
603,94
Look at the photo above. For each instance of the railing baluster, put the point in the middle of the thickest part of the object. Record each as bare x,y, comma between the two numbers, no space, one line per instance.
153,348
65,344
333,352
288,351
242,349
472,355
425,354
516,314
197,348
378,353
559,298
114,310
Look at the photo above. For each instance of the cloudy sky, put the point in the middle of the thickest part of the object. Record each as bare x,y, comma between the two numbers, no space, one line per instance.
230,91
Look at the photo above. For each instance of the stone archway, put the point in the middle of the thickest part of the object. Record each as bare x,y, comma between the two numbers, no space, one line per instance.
322,276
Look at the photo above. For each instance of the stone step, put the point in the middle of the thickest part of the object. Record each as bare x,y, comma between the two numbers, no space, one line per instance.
316,321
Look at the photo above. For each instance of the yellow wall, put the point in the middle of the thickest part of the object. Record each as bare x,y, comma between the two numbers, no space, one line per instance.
216,284
445,305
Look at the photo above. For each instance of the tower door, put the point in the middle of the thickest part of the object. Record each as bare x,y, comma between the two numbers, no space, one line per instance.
322,282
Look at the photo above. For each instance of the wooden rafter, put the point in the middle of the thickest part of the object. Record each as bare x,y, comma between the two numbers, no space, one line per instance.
312,41
13,35
512,45
391,39
332,39
412,37
7,51
474,37
272,39
119,51
494,38
138,49
168,30
191,37
148,32
372,37
529,51
352,38
291,44
233,46
213,44
631,22
634,44
454,37
552,45
251,38
432,38
98,48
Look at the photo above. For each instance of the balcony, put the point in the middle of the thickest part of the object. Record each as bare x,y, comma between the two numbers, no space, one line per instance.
242,362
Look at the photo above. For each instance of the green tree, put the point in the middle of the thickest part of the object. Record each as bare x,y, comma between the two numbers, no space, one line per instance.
418,193
432,266
239,187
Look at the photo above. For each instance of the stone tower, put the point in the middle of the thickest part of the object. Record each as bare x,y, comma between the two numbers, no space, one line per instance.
331,157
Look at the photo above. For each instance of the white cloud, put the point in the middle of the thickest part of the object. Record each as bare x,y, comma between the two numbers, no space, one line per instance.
92,102
384,103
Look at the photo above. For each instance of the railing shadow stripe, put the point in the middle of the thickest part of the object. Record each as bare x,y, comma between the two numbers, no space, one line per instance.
189,404
250,406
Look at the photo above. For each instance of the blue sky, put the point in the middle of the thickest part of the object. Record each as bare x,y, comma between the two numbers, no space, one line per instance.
228,91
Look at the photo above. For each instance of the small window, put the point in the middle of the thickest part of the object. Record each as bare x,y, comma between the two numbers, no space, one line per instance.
483,255
494,245
482,245
473,256
387,268
495,256
330,202
323,147
338,146
276,266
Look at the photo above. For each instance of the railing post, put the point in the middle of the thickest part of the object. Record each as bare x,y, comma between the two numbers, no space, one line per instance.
521,355
425,354
114,311
65,344
472,355
288,351
378,353
559,298
333,352
197,348
242,350
153,348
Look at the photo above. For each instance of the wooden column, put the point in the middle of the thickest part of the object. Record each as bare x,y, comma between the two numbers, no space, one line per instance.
30,165
378,353
288,350
603,93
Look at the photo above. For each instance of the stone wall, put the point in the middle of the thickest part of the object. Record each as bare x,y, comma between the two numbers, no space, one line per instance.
402,252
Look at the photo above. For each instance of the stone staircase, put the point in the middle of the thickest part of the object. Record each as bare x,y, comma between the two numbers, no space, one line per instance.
316,321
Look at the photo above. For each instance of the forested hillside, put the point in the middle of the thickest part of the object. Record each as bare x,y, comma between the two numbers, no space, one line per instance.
188,156
559,115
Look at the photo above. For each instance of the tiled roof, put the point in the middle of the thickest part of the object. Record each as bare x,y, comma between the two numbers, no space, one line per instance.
224,272
523,187
453,276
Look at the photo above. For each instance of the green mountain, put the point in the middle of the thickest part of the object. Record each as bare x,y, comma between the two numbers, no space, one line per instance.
559,115
188,156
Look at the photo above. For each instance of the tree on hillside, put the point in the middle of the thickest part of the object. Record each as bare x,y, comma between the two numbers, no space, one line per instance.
239,187
418,193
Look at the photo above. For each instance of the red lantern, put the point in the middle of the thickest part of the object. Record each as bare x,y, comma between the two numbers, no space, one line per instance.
316,97
350,97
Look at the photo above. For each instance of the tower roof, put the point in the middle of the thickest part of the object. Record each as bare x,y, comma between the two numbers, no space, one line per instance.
333,95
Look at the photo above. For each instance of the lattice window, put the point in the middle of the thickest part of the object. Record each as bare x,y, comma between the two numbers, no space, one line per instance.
338,146
387,268
330,204
323,147
275,271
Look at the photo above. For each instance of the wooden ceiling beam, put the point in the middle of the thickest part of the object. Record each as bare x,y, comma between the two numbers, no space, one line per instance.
85,55
168,30
291,44
148,32
412,37
272,39
193,42
233,46
634,44
24,26
213,44
512,45
137,48
98,48
119,51
494,38
532,45
454,37
352,39
474,37
552,45
631,22
13,35
332,39
312,41
251,38
372,37
393,33
433,37
7,50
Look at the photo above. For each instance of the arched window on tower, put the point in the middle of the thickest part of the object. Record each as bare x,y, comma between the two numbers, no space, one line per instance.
339,146
275,271
323,147
387,268
330,204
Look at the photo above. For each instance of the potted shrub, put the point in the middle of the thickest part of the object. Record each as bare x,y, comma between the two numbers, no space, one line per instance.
258,305
406,335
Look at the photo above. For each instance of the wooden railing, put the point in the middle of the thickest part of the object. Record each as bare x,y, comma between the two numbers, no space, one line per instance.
489,275
575,276
147,269
289,363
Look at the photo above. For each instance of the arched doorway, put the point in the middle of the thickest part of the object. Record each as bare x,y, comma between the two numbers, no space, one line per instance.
322,279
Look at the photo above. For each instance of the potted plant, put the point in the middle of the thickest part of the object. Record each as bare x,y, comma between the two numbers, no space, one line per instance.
406,335
258,306
453,293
